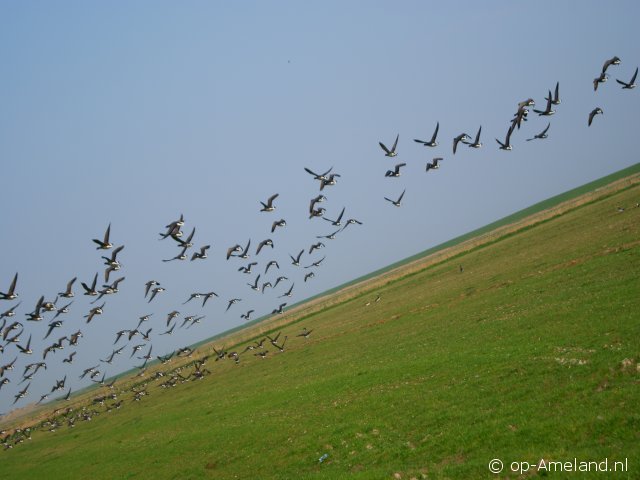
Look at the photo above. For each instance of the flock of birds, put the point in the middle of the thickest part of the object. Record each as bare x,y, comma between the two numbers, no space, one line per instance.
137,338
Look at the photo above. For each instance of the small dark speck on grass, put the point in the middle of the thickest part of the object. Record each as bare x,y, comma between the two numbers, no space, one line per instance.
211,465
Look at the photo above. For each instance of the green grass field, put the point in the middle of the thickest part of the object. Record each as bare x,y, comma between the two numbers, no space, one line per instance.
531,352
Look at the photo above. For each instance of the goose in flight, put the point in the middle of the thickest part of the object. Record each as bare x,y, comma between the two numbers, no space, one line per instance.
603,77
93,312
593,113
91,291
434,165
315,246
207,296
269,207
247,316
556,97
632,82
148,285
104,244
254,285
278,223
395,173
288,293
477,143
305,333
280,279
548,110
247,269
392,152
608,63
397,202
308,276
202,254
351,221
336,222
68,293
154,292
27,348
265,243
231,302
181,256
331,236
463,137
272,263
329,181
232,250
11,293
244,254
295,261
542,135
318,176
507,141
316,264
432,142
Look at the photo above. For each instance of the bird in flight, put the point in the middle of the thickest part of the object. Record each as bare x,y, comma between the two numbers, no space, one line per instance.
392,152
432,142
632,82
541,135
269,207
593,113
397,202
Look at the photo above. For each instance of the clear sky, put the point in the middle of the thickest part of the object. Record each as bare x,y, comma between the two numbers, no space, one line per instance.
132,113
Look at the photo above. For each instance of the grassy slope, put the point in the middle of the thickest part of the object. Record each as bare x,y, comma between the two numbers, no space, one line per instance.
518,357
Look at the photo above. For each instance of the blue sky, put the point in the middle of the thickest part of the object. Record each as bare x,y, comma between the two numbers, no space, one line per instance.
135,112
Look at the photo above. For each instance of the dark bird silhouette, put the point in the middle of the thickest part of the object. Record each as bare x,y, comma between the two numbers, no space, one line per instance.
309,275
397,202
337,221
318,176
548,110
104,244
148,285
556,97
432,142
295,261
477,143
463,137
392,152
541,135
603,77
68,293
608,63
91,291
593,113
11,293
434,165
207,296
154,292
231,302
247,269
631,84
247,316
315,246
202,254
272,263
507,141
269,207
395,172
331,236
265,243
232,250
181,256
278,223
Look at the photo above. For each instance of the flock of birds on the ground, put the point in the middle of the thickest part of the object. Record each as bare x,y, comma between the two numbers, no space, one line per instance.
13,332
